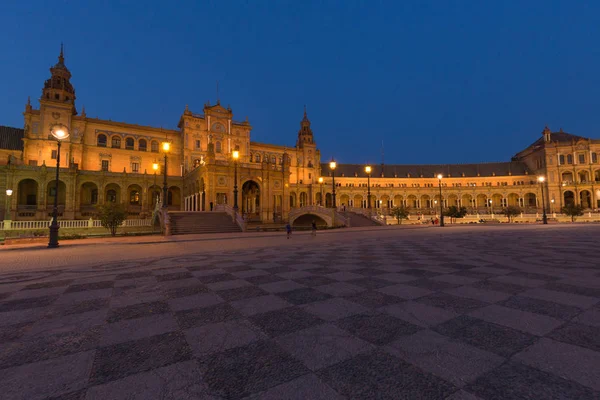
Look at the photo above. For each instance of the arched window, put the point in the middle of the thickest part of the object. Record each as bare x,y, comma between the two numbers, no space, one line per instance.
116,142
134,197
154,146
101,140
251,157
129,143
273,159
94,196
218,147
258,158
142,145
111,196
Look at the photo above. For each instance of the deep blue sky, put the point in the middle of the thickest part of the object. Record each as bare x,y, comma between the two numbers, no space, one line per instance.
437,81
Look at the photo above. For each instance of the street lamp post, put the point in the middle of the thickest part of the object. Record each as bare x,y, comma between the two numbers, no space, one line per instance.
541,180
552,207
321,183
9,193
332,166
235,154
368,171
155,168
440,176
60,133
166,146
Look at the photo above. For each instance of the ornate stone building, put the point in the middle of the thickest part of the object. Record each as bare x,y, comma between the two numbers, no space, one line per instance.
103,161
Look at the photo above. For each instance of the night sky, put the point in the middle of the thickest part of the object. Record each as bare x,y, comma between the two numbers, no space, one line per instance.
436,81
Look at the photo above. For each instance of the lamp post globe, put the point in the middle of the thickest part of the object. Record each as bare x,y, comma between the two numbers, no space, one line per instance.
166,147
9,193
368,171
59,132
235,155
440,176
332,166
541,180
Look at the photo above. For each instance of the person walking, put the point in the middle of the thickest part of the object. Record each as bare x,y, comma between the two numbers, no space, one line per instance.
314,228
288,229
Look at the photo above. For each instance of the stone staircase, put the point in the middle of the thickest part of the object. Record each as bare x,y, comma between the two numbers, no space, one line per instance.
359,219
187,223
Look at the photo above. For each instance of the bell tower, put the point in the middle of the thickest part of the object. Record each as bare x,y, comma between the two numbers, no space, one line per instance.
305,134
58,88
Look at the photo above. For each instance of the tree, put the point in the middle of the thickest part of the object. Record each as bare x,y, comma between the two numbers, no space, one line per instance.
112,216
400,213
454,212
572,210
510,212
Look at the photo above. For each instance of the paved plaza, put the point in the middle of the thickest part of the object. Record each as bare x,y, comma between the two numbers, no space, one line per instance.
469,312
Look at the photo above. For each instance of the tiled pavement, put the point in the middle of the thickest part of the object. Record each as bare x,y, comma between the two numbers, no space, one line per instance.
506,315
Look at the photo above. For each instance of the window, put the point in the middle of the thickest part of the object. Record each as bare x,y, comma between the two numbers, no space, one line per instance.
258,158
104,165
94,199
101,141
594,158
142,145
56,96
116,142
581,159
54,154
33,163
218,147
135,167
237,147
569,159
134,197
197,144
154,146
129,143
111,196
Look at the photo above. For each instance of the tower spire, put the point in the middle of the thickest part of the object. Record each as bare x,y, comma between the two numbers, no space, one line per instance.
61,56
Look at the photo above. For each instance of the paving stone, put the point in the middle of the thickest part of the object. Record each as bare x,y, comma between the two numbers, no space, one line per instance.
216,278
138,328
90,286
185,291
224,285
204,315
377,328
312,281
322,345
137,311
495,338
405,291
322,270
524,321
124,359
579,290
517,381
280,286
383,376
455,279
48,284
136,274
431,284
455,362
500,286
24,304
572,362
53,377
176,381
374,299
340,289
565,298
221,336
534,275
285,321
489,296
541,307
578,334
457,304
420,273
419,314
590,317
334,309
78,308
258,280
240,293
242,371
306,387
304,296
519,280
260,304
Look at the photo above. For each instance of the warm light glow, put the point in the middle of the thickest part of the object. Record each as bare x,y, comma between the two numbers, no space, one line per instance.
440,176
368,169
320,179
332,165
552,201
435,201
541,179
8,192
60,132
155,166
166,146
235,154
